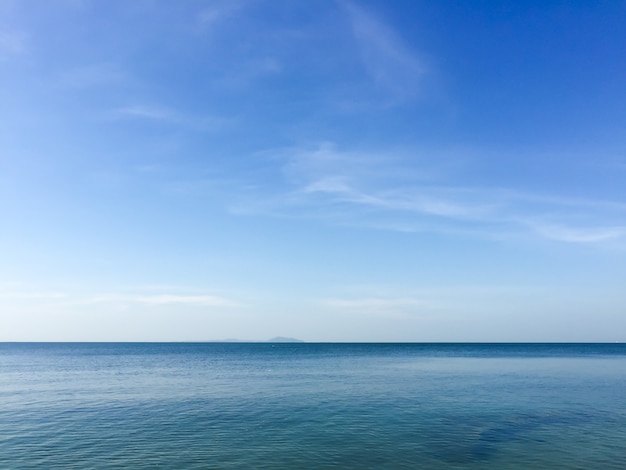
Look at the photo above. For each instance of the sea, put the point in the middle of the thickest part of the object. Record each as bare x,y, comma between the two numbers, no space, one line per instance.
312,406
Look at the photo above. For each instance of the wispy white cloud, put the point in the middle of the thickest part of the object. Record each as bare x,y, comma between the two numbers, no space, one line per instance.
426,200
148,112
388,60
165,115
201,300
153,299
33,295
366,189
578,234
325,161
217,11
146,296
326,176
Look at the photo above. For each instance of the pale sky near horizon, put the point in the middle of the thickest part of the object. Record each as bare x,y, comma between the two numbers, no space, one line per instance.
327,170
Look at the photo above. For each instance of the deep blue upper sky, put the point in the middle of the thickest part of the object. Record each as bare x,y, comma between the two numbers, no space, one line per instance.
328,170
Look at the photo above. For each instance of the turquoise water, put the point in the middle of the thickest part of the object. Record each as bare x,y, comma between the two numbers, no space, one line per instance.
259,405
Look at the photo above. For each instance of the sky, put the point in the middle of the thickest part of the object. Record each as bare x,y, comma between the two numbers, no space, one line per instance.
326,170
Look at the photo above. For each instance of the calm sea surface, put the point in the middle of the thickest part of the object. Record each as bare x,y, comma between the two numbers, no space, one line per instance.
263,405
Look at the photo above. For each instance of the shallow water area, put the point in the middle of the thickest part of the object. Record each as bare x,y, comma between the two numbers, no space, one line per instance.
261,405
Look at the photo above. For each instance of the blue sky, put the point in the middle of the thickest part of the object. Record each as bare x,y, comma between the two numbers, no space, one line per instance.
326,170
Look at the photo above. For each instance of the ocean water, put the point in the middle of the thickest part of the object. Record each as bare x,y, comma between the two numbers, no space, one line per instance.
301,406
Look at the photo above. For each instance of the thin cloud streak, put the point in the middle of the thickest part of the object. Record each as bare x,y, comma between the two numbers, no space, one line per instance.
217,11
164,115
147,112
580,235
202,300
49,296
387,60
367,189
153,300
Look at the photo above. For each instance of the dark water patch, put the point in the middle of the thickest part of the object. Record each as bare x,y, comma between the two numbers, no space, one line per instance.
464,444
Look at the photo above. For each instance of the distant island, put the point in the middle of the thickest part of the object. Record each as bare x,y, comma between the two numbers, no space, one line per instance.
276,339
282,339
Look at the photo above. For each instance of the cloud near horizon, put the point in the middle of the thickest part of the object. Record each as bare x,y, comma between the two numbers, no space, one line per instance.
19,291
200,300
